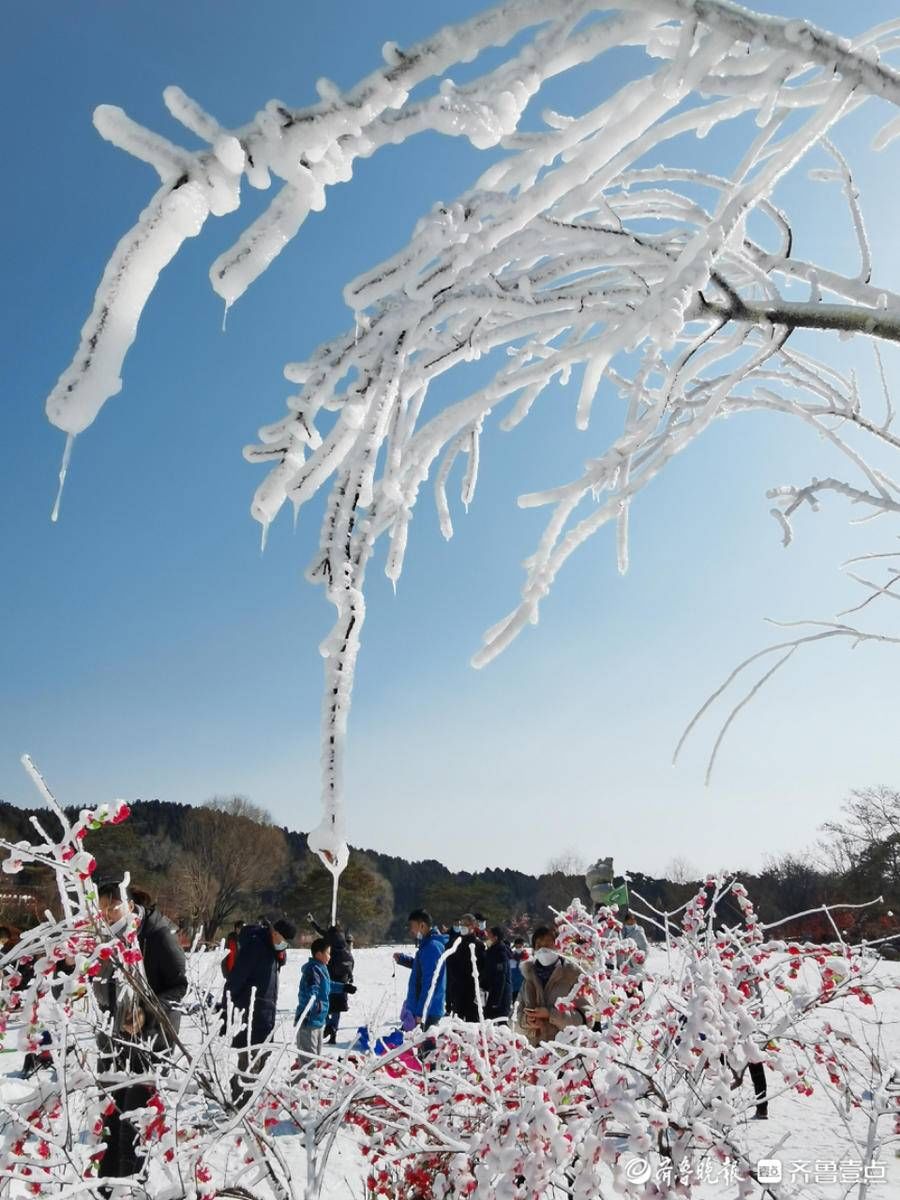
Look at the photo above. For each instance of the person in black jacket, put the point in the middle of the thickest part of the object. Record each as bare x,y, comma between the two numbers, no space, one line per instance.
145,1019
495,975
340,969
455,973
252,988
462,983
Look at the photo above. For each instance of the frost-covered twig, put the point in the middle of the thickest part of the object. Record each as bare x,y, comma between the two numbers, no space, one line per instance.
569,260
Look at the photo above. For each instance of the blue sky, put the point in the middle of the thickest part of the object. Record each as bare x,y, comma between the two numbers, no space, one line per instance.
147,649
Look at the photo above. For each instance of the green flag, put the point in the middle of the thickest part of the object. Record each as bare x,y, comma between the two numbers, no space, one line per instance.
617,895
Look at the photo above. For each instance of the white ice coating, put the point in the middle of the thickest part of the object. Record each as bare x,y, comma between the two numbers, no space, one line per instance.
569,254
96,372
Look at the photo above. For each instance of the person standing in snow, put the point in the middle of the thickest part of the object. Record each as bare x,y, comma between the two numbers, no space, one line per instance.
314,999
633,961
453,963
631,929
756,1070
547,979
340,969
252,987
428,975
495,979
517,956
145,1019
462,982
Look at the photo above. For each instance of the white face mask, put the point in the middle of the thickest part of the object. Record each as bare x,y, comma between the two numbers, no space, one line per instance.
459,928
118,927
279,946
546,957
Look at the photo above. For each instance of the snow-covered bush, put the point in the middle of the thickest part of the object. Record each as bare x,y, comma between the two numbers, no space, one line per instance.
650,1087
650,1083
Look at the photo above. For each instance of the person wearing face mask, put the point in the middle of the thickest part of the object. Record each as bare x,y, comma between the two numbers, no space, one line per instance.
546,979
253,983
145,1018
462,982
495,976
426,969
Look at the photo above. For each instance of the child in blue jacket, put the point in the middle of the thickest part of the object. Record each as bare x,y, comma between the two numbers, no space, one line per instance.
316,986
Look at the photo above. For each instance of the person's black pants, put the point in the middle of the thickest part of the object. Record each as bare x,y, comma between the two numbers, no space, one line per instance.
122,1157
758,1079
252,1057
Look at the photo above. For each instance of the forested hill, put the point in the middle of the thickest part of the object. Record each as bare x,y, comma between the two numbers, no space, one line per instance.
210,865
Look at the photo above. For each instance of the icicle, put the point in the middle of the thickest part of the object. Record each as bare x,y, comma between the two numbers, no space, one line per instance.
622,538
397,549
331,850
63,471
334,891
233,272
887,134
523,406
672,81
95,373
467,492
264,536
594,370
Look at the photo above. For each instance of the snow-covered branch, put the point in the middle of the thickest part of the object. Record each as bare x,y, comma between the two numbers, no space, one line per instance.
653,1069
662,290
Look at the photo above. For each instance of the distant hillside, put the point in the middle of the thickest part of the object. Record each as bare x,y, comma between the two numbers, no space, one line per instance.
208,866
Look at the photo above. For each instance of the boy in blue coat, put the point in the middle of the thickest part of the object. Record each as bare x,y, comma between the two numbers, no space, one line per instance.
423,968
316,986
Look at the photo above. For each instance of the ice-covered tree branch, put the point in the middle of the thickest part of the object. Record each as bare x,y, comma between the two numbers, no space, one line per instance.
587,255
846,318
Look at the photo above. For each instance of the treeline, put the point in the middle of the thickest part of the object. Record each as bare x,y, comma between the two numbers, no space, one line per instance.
225,860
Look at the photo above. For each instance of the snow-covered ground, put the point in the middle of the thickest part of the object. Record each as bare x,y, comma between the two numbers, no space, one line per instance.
805,1135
